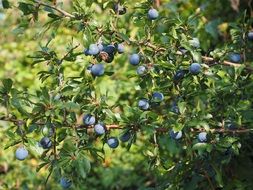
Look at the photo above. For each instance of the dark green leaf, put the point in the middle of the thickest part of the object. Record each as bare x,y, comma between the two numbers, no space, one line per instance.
6,4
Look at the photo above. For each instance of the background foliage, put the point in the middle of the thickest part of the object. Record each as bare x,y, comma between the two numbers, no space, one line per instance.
45,80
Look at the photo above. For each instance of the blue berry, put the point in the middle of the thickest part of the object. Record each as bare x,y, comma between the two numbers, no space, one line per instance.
143,104
21,153
125,136
93,49
45,142
195,68
157,96
110,49
141,70
183,50
235,57
113,142
65,183
232,126
57,97
97,70
118,9
99,129
120,48
175,108
179,75
176,135
87,52
89,67
134,59
202,137
250,35
100,47
153,14
88,119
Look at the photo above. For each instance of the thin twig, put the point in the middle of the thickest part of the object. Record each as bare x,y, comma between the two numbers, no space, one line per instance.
67,54
17,121
209,180
113,127
48,176
240,130
13,120
54,150
165,129
231,130
64,13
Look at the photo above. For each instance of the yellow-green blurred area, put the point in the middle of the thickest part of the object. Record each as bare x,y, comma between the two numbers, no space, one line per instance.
19,41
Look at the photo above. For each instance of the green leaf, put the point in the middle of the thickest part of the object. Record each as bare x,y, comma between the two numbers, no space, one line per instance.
6,4
32,128
71,106
26,8
7,83
200,146
45,94
85,162
109,73
182,107
178,127
69,146
34,147
211,28
196,56
124,37
16,103
41,166
12,143
174,33
218,176
18,30
149,153
54,16
89,2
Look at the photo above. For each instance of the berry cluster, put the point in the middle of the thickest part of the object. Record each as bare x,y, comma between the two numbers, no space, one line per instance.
100,129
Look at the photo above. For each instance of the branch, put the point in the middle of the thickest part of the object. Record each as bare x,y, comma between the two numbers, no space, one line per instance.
67,54
210,59
162,49
64,13
239,130
165,129
13,120
115,126
205,58
16,121
108,127
243,130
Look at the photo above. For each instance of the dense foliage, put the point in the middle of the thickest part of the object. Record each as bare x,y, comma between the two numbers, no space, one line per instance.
126,94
